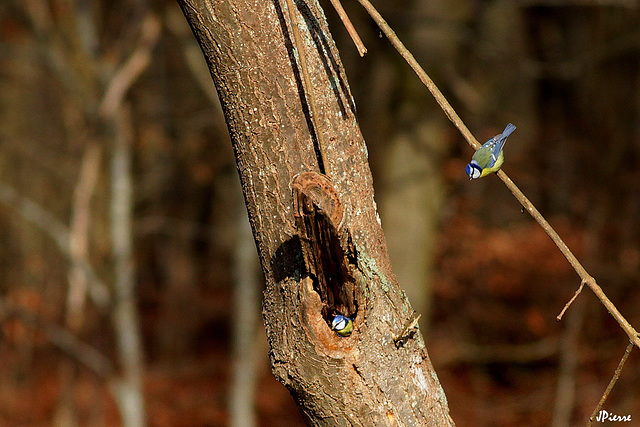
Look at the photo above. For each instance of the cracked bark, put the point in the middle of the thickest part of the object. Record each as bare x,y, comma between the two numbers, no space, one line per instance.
364,379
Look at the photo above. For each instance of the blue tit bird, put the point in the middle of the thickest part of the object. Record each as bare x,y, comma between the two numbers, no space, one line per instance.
489,157
342,325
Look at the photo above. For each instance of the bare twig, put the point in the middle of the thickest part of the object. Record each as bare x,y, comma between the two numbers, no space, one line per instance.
457,121
616,375
566,306
349,27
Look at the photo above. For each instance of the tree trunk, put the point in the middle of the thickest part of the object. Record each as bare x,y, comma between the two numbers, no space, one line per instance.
323,252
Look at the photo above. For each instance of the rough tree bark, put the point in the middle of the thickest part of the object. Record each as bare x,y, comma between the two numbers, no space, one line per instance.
323,252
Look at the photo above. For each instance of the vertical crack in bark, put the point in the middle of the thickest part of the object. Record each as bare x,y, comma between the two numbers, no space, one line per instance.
329,255
302,93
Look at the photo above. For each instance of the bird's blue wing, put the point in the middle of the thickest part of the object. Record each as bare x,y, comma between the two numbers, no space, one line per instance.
497,143
508,130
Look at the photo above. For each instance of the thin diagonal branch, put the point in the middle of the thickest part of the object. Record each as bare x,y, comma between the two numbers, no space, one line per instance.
349,27
573,298
613,381
586,277
420,72
457,121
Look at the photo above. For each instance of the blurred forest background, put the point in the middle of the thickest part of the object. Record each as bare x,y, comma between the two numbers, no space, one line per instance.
125,255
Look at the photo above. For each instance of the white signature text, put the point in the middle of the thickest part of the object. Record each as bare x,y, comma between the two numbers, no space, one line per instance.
608,416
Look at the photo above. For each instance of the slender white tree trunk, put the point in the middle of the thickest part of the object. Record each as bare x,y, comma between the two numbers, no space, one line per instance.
246,318
127,389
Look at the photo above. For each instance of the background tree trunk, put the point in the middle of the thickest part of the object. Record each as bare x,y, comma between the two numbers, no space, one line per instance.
381,374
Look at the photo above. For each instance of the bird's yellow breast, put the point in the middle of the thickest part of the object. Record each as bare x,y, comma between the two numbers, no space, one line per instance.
494,168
